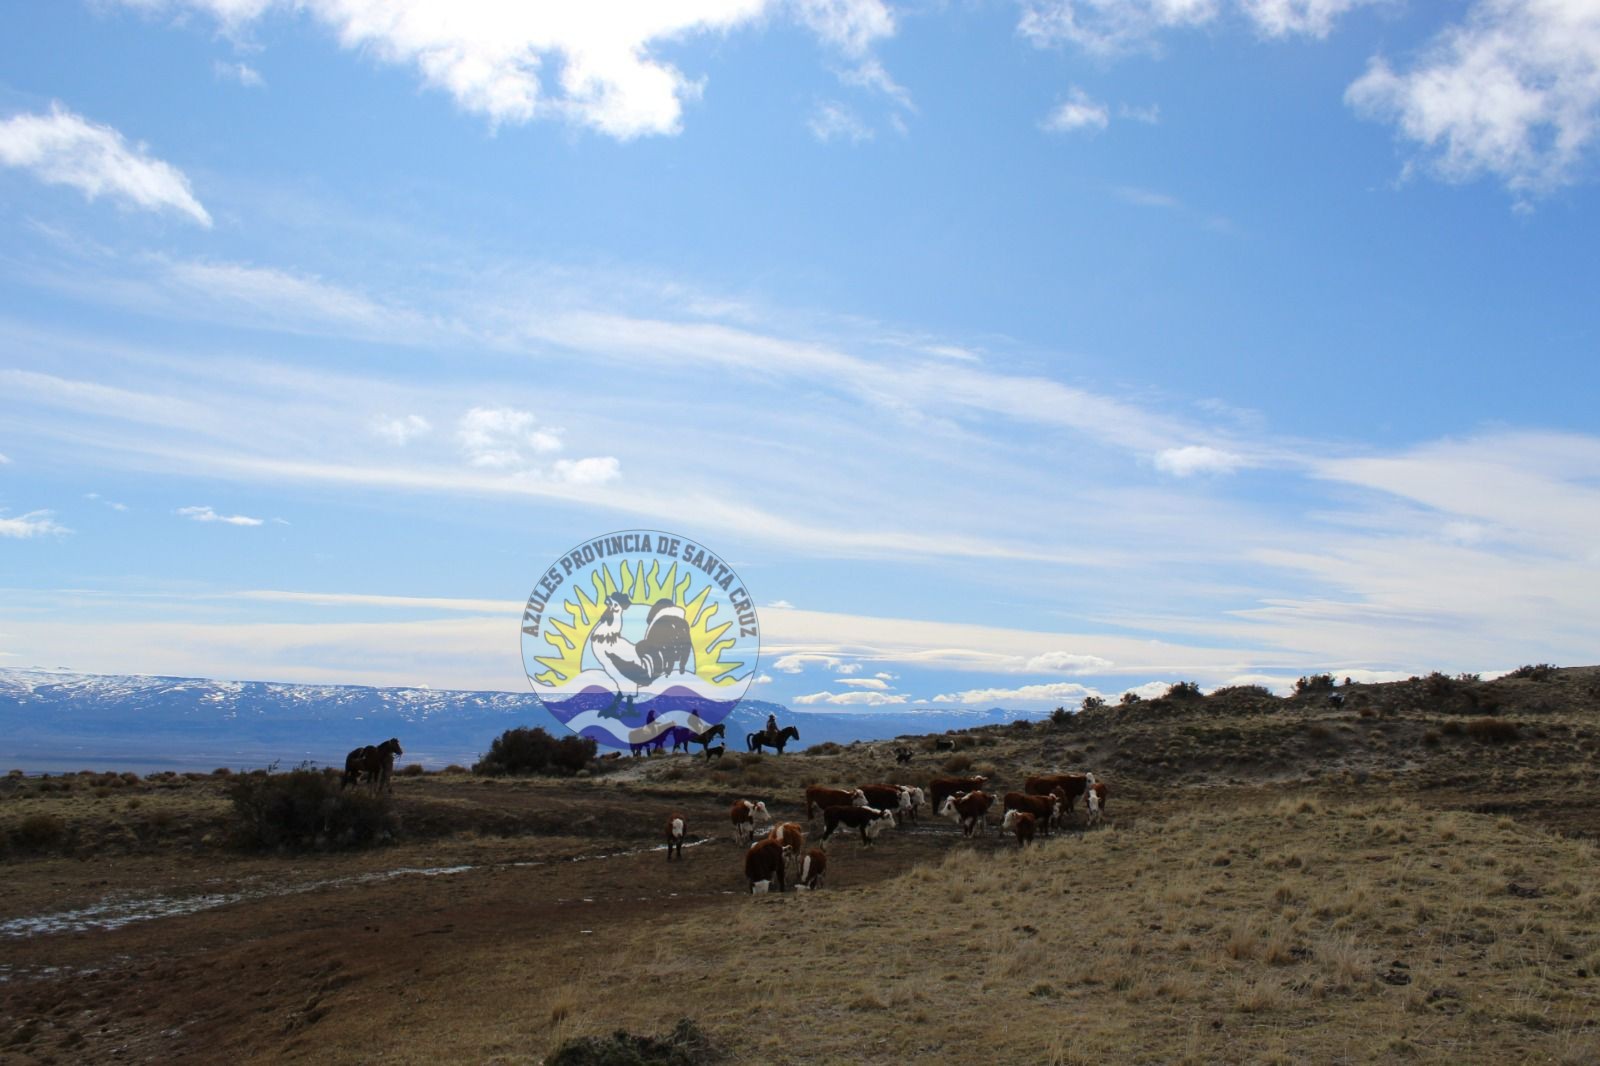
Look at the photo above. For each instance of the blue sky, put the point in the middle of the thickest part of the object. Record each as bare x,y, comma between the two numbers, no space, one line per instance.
1011,352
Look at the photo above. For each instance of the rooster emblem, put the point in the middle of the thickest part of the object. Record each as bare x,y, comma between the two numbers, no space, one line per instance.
666,647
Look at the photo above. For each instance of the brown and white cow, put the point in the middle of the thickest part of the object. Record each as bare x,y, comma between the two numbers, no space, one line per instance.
675,834
918,798
1093,798
820,796
743,814
969,809
869,820
793,839
1021,823
896,798
942,788
1098,790
1045,809
812,868
763,865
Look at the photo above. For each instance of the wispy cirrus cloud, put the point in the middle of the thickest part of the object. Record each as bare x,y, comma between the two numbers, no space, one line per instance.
63,148
1078,111
207,514
30,525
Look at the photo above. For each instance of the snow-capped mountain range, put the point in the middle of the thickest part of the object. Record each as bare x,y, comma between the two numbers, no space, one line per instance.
52,720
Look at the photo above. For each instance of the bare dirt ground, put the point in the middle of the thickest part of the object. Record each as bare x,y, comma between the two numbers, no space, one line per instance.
280,955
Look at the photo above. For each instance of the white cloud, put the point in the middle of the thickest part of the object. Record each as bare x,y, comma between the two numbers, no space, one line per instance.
1062,693
206,514
781,605
594,470
831,121
1112,26
1150,114
32,524
593,64
855,698
1513,92
62,148
1078,112
5,460
794,664
399,430
504,438
242,73
865,683
1068,662
1197,459
764,679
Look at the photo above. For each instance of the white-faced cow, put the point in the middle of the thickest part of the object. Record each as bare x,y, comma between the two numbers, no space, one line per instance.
1021,823
1045,809
820,796
763,865
1098,791
942,788
793,839
1093,798
894,798
869,820
744,814
969,809
675,834
812,868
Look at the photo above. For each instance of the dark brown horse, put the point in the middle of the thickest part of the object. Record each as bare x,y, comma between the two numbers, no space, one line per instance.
374,760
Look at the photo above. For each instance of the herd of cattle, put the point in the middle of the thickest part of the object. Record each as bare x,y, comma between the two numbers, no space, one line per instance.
1047,801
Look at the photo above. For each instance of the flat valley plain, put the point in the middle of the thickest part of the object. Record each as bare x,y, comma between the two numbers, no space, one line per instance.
1406,876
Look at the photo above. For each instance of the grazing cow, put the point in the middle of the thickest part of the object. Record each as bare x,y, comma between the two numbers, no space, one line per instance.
869,820
896,798
793,839
1098,792
1093,798
969,810
942,788
918,798
674,835
1045,809
716,752
944,744
818,796
811,869
763,865
743,814
1019,822
902,755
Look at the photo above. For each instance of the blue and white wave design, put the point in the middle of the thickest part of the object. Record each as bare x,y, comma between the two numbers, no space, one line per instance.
686,705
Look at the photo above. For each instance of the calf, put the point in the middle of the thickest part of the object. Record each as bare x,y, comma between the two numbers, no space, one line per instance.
896,798
1093,796
942,788
1098,791
811,869
869,820
818,796
675,835
1045,809
743,814
969,810
763,865
1021,823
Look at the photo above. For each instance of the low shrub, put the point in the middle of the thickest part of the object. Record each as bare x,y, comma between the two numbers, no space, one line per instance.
1535,672
1093,703
526,750
957,763
1184,690
686,1045
454,768
1130,697
1060,716
305,809
37,832
1312,683
1492,730
827,747
413,770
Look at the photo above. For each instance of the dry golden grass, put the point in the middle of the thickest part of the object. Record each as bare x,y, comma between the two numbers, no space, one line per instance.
1372,931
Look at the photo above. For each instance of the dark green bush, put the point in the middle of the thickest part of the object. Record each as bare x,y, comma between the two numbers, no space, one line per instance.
305,809
37,832
686,1045
1093,703
1535,672
1314,683
1060,716
527,750
1184,690
1130,697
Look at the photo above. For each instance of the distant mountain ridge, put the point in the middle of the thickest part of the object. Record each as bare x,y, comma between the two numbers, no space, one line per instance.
53,720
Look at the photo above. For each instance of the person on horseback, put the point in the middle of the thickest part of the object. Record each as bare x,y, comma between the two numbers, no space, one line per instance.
772,725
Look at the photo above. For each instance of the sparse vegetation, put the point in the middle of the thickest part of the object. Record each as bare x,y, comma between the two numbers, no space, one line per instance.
686,1045
1534,672
1183,690
306,809
1129,698
1093,703
1314,683
1492,730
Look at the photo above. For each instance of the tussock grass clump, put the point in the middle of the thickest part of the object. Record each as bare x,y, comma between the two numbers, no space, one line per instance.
957,763
36,832
1492,730
686,1045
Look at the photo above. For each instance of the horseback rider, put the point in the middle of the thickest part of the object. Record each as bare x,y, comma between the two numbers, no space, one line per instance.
772,724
